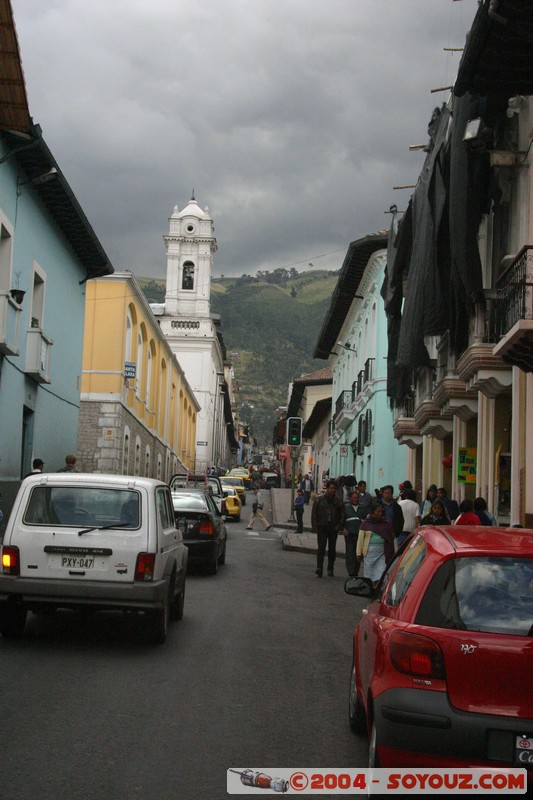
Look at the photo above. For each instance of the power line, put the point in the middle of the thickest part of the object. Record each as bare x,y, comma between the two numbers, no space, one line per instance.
322,255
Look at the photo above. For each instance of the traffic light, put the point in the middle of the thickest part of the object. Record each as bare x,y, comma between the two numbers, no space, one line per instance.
294,431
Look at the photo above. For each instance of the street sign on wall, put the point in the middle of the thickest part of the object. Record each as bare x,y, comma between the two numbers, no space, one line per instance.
344,451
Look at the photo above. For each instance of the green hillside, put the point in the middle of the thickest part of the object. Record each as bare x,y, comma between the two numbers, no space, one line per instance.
270,325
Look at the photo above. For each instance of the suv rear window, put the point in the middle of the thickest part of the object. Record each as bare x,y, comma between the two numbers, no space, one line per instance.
82,505
481,593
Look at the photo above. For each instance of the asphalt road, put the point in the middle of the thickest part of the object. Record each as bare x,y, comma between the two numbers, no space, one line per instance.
255,675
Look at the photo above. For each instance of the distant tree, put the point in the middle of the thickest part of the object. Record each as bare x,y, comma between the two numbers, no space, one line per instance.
293,291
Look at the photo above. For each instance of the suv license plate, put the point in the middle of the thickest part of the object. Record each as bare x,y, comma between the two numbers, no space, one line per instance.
77,562
524,752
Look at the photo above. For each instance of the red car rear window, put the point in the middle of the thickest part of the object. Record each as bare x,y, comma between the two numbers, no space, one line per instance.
481,593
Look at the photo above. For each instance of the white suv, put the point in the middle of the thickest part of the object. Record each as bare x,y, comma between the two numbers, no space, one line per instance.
100,541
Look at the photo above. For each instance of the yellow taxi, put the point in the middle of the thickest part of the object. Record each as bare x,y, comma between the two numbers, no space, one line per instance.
238,484
242,472
232,502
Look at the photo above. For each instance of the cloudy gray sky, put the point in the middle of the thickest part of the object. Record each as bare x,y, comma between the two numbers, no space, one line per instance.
290,118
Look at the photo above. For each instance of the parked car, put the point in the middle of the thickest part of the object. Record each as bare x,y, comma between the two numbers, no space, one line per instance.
92,541
242,472
238,485
232,501
442,656
270,480
202,482
202,527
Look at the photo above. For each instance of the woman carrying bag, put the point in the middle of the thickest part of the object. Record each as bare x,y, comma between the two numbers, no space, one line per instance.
375,544
257,512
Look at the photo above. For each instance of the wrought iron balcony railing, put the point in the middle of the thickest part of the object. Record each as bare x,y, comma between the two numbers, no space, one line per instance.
369,369
343,400
515,293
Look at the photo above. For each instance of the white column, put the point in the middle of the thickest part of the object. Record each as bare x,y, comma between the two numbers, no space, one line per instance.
521,415
528,423
485,449
459,440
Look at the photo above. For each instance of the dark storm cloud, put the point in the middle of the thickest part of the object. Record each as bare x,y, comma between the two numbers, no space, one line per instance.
291,120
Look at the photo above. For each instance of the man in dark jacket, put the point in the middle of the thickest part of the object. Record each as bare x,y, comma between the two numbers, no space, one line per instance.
354,514
327,519
393,512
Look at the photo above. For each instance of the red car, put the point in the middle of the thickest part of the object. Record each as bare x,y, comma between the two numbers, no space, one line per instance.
443,656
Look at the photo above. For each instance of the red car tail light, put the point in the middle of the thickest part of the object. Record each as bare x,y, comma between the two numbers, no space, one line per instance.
206,526
10,560
144,567
416,655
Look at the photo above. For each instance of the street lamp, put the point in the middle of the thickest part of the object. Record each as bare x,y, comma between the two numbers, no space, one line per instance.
347,345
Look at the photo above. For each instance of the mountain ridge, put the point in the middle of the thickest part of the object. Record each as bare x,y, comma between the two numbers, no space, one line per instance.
270,325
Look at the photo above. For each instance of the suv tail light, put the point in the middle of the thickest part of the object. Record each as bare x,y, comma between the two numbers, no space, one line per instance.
206,526
416,655
144,567
10,560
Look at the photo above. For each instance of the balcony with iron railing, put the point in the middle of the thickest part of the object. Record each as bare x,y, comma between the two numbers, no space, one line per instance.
342,401
368,370
344,414
451,393
38,351
480,366
360,381
10,313
513,318
406,431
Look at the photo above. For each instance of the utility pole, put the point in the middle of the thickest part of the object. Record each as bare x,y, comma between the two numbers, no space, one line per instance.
293,473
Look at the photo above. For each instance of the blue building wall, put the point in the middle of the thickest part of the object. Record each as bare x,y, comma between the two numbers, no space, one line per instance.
51,408
383,461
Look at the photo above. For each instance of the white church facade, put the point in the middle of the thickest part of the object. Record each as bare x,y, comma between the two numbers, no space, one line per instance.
193,332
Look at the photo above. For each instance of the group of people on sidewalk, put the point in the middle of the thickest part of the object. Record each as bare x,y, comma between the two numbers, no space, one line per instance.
369,536
374,527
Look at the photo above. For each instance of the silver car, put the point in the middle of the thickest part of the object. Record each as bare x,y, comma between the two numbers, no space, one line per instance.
100,541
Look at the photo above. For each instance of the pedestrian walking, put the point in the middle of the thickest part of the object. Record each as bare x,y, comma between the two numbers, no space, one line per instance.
37,466
437,515
425,506
257,512
411,514
327,519
307,486
451,506
365,498
375,544
299,503
467,516
485,516
354,514
393,512
70,464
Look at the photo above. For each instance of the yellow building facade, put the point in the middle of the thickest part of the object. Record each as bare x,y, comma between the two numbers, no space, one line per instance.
137,411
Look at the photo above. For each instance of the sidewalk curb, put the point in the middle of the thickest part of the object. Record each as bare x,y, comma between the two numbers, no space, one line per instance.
301,548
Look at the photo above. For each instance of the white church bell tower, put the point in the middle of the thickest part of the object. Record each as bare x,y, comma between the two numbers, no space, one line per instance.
188,325
190,246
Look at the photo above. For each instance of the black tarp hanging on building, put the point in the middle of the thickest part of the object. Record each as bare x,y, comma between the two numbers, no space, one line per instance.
426,304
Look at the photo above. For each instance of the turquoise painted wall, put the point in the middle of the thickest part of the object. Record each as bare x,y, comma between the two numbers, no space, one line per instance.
384,460
37,239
